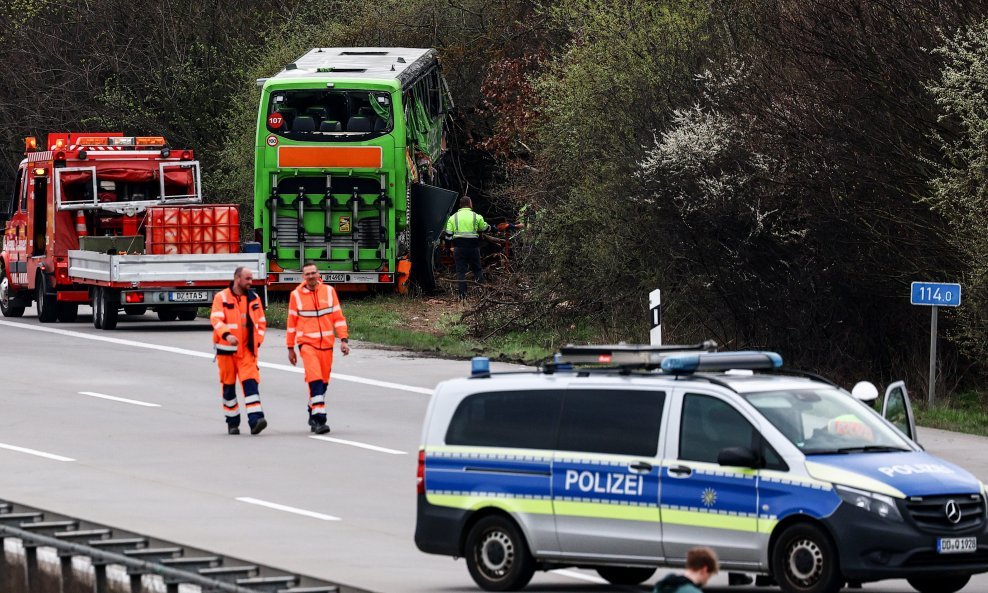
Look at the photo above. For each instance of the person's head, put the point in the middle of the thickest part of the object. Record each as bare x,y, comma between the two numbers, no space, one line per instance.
466,202
242,278
310,274
701,565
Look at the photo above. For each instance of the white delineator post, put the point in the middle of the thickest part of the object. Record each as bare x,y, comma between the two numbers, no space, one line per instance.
655,317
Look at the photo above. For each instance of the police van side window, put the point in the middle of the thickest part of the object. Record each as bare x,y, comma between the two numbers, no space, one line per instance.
710,425
611,421
515,419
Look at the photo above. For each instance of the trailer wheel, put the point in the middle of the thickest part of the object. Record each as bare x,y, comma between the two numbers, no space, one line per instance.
187,315
97,308
108,305
47,303
135,309
167,314
6,299
67,312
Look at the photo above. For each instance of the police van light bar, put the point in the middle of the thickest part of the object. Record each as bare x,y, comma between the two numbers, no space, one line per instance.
626,354
721,361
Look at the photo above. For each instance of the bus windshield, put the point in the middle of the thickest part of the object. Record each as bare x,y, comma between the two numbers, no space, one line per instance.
328,115
824,421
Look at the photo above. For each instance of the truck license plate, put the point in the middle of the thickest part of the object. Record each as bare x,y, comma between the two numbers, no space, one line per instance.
188,296
956,545
334,277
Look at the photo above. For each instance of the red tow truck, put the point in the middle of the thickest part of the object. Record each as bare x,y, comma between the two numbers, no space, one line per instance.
115,222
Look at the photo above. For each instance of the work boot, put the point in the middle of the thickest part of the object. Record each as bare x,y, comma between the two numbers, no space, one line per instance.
232,430
257,428
320,428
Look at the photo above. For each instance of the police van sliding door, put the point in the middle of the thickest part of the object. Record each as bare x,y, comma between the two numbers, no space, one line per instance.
704,503
605,474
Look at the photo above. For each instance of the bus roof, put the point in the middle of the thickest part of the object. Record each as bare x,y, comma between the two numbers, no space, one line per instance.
370,64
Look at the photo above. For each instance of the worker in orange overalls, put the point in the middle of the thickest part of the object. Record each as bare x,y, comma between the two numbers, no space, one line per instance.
315,318
238,331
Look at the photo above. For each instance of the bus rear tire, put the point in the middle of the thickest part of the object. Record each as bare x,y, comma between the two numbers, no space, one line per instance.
497,555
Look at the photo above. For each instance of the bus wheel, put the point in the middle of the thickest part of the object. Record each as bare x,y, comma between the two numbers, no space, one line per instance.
804,561
497,555
47,311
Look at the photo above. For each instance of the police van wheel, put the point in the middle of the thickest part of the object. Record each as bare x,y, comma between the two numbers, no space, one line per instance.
939,583
497,555
625,575
804,561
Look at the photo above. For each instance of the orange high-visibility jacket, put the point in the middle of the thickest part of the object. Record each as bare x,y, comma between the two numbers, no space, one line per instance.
241,316
315,317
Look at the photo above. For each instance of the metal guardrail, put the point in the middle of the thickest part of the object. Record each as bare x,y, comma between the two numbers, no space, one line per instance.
141,555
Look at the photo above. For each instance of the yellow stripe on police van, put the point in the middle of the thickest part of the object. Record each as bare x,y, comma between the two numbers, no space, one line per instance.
711,520
607,511
473,503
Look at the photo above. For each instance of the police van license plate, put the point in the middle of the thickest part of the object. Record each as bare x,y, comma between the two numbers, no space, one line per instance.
188,296
956,545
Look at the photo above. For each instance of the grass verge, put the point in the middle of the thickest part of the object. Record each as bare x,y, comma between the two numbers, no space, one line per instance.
961,412
428,325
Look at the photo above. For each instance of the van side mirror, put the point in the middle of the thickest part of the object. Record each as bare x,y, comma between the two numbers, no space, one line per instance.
739,457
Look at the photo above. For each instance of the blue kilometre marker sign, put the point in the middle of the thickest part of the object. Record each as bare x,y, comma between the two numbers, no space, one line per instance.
936,294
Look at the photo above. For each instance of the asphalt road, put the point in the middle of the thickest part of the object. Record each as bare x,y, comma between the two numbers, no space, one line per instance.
125,428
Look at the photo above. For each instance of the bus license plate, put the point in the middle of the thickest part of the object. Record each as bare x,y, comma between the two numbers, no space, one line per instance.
188,296
956,545
334,277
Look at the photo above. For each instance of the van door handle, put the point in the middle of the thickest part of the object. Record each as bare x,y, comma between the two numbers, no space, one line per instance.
641,467
680,470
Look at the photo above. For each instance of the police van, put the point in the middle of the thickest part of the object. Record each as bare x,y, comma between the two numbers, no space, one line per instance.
622,458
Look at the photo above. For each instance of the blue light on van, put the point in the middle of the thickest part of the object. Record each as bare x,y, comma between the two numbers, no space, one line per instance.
681,364
721,361
480,365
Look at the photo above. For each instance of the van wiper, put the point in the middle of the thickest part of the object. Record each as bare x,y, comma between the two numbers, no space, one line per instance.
863,449
872,449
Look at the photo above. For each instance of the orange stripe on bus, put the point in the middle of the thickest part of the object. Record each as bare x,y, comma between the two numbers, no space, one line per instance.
325,157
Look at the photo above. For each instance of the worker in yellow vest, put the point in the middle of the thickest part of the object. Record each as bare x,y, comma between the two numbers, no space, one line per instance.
464,228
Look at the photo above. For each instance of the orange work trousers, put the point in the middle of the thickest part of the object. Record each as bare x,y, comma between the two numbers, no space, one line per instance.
318,366
242,367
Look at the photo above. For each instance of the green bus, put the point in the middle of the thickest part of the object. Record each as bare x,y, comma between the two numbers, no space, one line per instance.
349,167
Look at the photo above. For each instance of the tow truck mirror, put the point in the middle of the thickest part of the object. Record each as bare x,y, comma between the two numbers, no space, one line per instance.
865,391
897,409
738,457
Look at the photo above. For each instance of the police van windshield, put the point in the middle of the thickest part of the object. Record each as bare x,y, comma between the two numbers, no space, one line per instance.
827,421
329,115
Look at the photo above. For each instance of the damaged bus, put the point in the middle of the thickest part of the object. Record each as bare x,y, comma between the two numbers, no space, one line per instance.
350,168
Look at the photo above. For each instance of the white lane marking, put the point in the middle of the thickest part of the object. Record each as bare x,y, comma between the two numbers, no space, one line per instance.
287,509
119,399
576,575
187,352
35,452
361,445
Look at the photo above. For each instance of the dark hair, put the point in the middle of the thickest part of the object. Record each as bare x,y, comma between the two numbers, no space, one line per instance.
702,557
236,273
309,263
466,202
